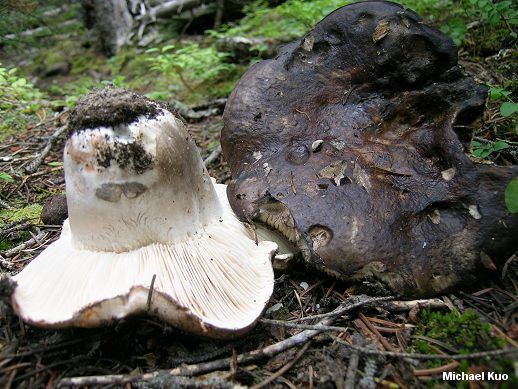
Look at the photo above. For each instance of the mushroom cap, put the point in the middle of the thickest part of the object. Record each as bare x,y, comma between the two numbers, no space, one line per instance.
215,285
148,232
351,142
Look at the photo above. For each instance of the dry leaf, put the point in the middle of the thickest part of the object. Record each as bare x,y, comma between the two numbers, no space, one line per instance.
381,30
334,171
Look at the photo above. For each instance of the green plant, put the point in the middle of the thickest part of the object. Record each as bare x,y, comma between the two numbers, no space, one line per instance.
511,196
284,22
17,92
190,65
484,150
508,107
456,17
6,177
460,333
20,102
30,212
465,332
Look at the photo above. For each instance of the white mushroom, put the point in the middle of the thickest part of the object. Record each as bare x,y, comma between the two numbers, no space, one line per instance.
141,204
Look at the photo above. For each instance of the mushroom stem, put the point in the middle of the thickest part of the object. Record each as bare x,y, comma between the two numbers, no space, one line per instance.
142,207
118,200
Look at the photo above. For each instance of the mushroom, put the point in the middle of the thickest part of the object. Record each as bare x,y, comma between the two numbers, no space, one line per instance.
148,230
364,124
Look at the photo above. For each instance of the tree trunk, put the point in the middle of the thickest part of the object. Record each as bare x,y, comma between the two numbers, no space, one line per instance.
220,7
112,21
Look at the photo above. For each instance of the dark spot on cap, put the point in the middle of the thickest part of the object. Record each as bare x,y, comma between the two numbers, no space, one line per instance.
320,235
298,154
132,155
109,192
112,192
133,189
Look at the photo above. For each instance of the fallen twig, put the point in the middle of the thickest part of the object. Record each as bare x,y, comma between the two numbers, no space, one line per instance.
376,333
150,294
212,156
289,324
50,347
15,250
436,370
168,381
482,354
5,263
224,363
338,311
3,204
200,112
14,227
31,168
283,369
399,306
350,378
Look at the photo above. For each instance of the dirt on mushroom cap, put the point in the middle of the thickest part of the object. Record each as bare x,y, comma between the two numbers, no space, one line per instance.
110,106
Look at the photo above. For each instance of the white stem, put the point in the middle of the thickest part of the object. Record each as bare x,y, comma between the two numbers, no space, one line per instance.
137,184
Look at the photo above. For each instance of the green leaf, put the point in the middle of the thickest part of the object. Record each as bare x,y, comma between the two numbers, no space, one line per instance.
20,82
500,145
483,152
6,177
496,93
507,109
511,196
167,48
55,164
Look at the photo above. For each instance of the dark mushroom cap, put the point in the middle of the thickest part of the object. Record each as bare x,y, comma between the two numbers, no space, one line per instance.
352,142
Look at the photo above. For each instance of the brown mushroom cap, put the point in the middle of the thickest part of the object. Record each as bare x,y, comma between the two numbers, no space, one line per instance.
352,143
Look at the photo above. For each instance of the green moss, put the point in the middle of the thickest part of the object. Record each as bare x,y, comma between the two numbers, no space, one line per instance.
6,244
466,333
31,212
49,57
89,60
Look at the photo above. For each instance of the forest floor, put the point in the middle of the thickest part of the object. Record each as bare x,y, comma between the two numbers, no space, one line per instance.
286,348
472,320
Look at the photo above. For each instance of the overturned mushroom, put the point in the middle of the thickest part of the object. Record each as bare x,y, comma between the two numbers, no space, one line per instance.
148,230
364,124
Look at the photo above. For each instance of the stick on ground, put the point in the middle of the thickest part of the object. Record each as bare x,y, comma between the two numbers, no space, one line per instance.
224,363
15,250
455,357
351,371
212,156
40,157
